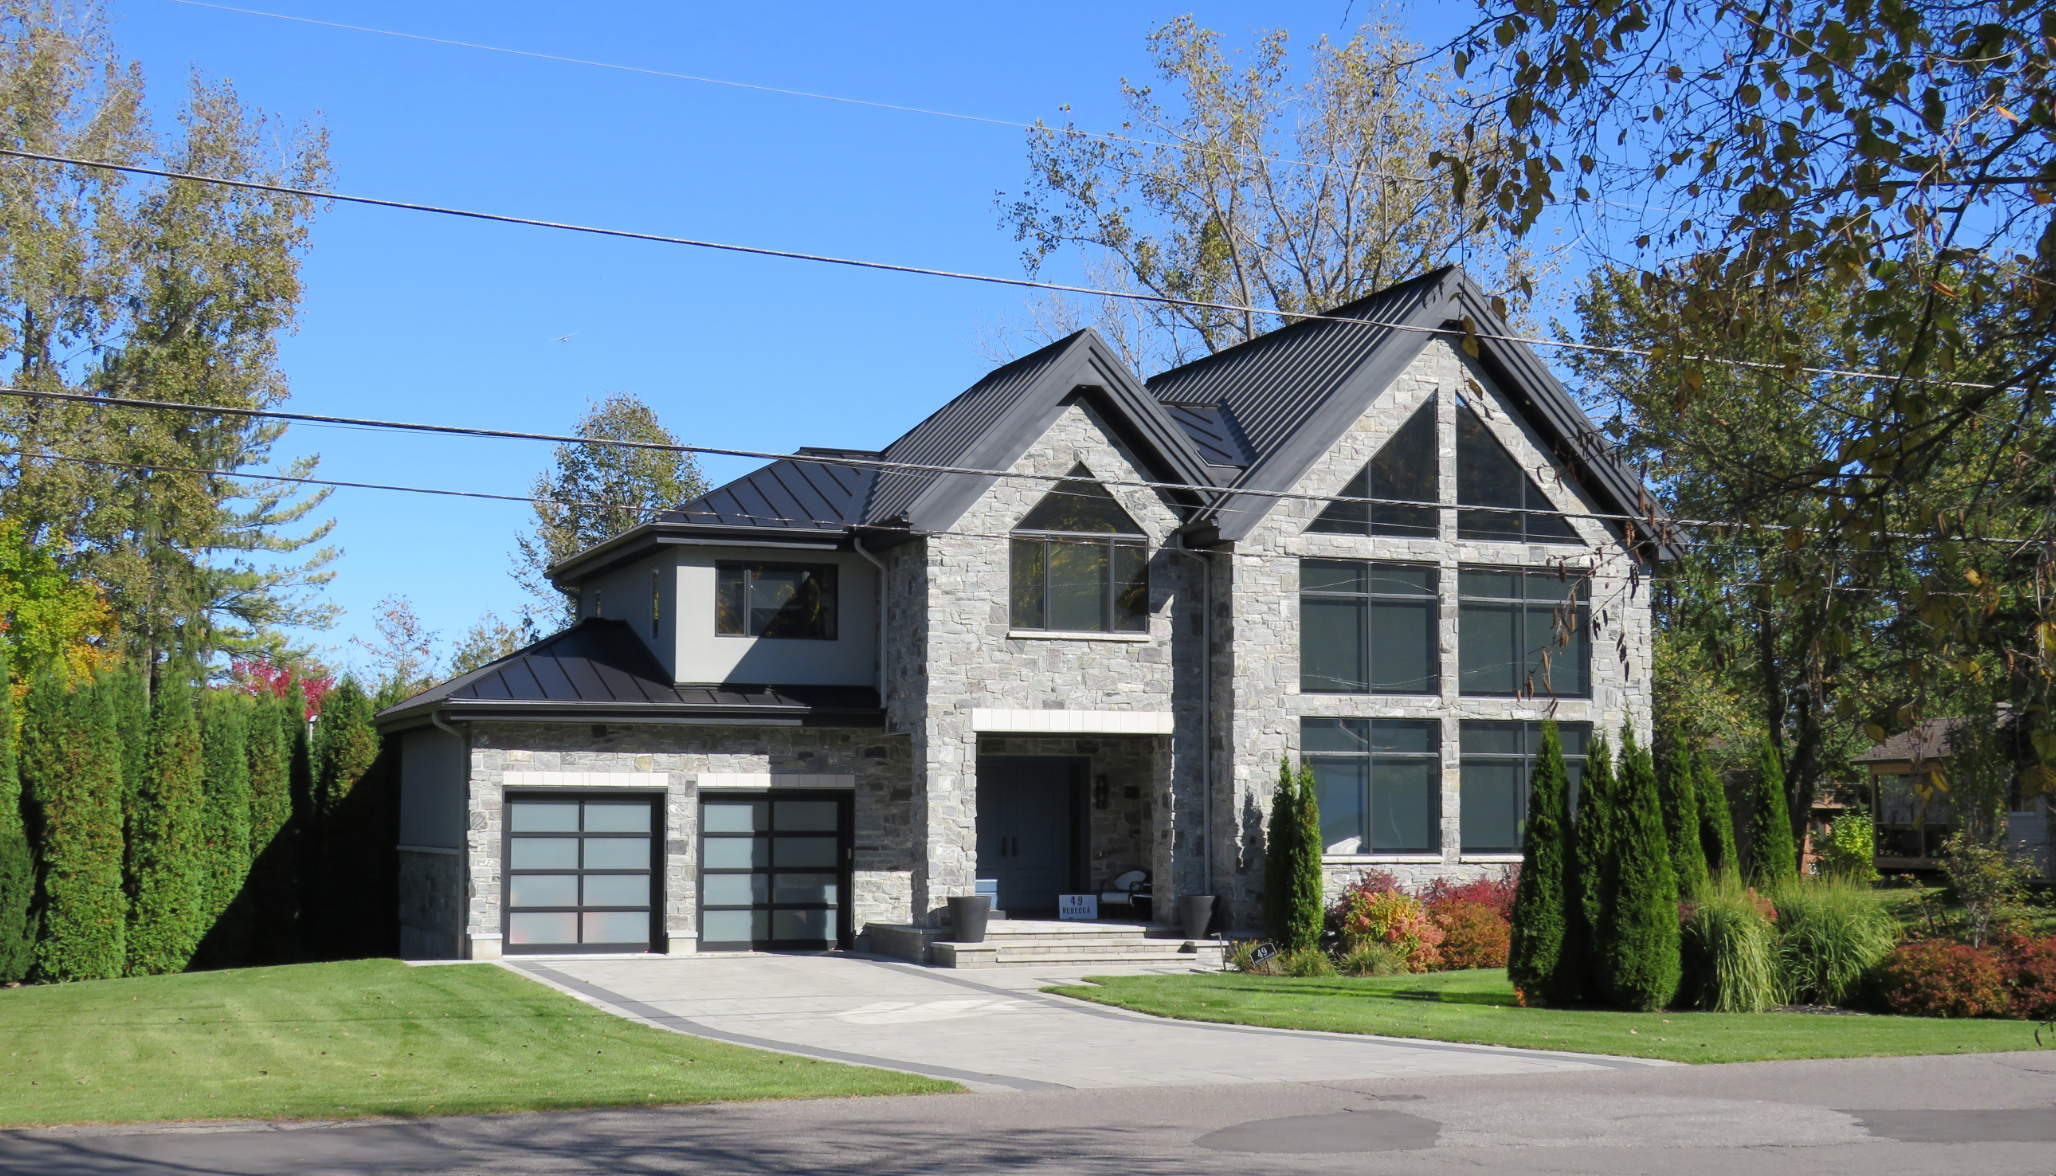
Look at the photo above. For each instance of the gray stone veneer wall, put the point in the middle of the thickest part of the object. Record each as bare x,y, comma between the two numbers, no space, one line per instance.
1259,720
884,834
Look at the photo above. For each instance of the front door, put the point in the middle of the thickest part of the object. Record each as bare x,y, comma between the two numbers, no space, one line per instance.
774,871
1026,810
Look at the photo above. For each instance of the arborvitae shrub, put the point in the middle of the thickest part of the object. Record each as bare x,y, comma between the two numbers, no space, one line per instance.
168,852
1772,859
357,829
1679,793
225,824
1278,841
1539,904
1588,880
1307,880
274,865
1639,937
17,866
71,774
1716,820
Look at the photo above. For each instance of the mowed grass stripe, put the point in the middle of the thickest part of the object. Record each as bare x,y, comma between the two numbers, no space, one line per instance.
363,1038
1478,1008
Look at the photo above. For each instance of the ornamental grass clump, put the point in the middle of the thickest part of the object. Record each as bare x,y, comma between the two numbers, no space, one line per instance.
1831,933
1396,919
1730,949
1372,959
1307,962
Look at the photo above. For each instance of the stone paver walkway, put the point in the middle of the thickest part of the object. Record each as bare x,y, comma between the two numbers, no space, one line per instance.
993,1030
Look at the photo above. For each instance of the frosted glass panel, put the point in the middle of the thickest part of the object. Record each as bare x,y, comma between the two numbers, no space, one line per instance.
617,927
806,816
735,853
736,818
804,851
617,817
545,853
735,926
540,927
617,853
542,890
617,890
803,888
803,924
732,889
533,816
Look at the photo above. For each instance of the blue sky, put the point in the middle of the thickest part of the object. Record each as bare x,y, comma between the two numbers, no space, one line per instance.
429,318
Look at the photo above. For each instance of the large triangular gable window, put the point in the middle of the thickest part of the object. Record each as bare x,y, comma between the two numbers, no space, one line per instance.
1404,468
1080,563
1488,477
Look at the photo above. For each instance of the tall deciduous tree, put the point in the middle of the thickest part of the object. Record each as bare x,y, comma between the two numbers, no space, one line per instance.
596,492
71,772
167,851
17,865
1639,940
125,288
1252,187
1539,905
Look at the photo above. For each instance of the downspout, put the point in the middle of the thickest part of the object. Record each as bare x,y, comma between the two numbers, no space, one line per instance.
857,545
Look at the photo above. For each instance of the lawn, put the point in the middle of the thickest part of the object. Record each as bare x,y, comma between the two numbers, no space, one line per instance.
1478,1007
367,1037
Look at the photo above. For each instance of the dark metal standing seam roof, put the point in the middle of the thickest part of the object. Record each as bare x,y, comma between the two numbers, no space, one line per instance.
798,495
600,671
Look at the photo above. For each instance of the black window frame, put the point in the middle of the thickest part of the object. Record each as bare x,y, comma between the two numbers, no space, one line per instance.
844,868
1123,608
1370,598
1370,757
1535,519
654,798
1538,658
1528,746
1400,515
827,575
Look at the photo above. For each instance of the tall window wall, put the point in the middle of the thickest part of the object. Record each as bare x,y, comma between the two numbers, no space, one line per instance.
1378,781
1498,765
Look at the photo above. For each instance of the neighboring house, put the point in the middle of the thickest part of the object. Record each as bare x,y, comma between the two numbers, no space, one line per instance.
1910,799
807,708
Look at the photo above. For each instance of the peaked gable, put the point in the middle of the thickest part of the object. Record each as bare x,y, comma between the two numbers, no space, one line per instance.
1488,476
1078,505
1405,467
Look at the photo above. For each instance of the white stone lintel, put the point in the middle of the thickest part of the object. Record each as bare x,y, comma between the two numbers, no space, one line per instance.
774,780
995,720
525,779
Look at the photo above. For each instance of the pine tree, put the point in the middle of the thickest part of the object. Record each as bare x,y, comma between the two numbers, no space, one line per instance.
17,866
1771,856
1278,856
274,867
225,825
1716,821
1308,884
1681,824
71,774
1539,911
1588,882
1639,939
167,858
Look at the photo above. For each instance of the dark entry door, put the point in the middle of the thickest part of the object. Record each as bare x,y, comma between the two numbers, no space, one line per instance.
774,871
1025,824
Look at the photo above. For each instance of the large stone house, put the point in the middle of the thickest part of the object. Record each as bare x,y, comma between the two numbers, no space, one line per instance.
1061,631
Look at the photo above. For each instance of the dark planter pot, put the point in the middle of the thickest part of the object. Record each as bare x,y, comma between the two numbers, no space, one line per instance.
968,914
1195,912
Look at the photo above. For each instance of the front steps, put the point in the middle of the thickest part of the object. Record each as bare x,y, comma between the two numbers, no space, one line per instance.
1047,943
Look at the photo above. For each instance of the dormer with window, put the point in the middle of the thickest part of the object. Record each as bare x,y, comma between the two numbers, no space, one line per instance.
1079,563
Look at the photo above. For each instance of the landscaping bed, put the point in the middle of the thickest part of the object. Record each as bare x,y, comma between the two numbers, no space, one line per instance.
364,1038
1479,1007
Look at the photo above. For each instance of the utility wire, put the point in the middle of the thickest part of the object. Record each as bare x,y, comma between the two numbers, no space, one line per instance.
957,275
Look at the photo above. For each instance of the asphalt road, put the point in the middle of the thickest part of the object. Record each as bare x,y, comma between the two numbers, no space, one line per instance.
1992,1115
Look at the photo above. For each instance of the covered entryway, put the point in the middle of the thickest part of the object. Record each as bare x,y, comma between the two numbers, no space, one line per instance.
775,871
1030,824
579,875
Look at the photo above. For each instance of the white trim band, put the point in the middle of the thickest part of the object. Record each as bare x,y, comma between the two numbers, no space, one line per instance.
512,779
774,780
1070,722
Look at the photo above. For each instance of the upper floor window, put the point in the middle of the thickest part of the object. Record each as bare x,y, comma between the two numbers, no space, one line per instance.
775,600
1498,764
1079,563
1522,633
1367,628
1378,782
1488,476
1403,468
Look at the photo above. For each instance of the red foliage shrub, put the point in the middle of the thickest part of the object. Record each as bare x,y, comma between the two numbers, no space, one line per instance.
1495,892
257,675
2030,969
1474,934
1936,979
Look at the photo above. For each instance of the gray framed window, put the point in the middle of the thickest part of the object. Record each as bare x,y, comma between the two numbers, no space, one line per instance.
580,873
1378,781
1404,468
787,600
1487,476
1498,761
1368,628
1080,564
1522,634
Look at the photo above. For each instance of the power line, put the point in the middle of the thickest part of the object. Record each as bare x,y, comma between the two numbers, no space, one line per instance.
956,275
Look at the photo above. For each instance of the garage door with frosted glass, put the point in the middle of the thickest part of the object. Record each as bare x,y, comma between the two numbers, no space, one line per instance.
774,872
579,874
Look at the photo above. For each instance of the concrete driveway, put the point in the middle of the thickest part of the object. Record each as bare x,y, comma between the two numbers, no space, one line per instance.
992,1029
